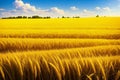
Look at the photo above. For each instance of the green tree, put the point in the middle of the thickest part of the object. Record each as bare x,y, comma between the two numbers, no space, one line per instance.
36,16
19,17
97,16
24,17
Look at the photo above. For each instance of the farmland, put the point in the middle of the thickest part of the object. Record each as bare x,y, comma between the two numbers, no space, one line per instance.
60,49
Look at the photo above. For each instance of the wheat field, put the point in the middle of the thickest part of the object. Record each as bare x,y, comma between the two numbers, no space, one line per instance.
60,49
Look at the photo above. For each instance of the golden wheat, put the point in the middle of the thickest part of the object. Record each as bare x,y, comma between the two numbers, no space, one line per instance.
41,68
18,44
71,23
109,50
60,49
67,33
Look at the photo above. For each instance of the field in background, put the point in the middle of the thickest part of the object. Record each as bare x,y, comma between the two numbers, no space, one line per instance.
67,23
60,49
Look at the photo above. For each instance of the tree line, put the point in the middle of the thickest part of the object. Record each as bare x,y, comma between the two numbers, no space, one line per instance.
26,17
38,17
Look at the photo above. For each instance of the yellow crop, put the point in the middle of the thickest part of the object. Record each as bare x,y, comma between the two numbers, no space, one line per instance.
60,49
81,23
20,44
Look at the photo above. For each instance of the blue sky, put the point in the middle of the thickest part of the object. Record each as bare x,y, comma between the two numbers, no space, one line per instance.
56,8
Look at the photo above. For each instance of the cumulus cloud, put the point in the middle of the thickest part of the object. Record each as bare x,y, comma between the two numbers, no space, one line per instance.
27,9
57,10
85,10
103,9
1,9
87,13
74,8
97,8
20,5
106,9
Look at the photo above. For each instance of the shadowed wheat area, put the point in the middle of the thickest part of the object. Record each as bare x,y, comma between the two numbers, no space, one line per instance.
60,49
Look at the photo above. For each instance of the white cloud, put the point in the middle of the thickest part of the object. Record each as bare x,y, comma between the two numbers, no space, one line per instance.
87,13
57,10
97,8
106,9
85,10
20,5
74,8
22,8
103,9
27,9
1,9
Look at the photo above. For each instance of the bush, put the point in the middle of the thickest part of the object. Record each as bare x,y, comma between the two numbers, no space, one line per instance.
19,17
63,16
97,16
36,16
29,17
76,16
24,16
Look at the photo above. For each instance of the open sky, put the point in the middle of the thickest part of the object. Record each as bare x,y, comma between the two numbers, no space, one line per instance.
55,8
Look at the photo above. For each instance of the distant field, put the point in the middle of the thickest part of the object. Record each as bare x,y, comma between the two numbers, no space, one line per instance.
60,49
70,23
